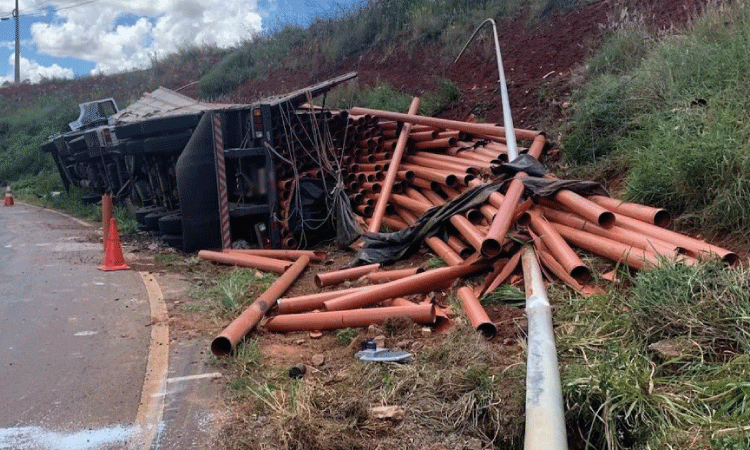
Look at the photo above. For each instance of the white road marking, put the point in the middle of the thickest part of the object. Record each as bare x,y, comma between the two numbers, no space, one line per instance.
194,377
86,333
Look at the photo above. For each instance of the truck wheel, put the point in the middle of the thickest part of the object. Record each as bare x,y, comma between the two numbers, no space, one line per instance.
151,220
171,223
141,213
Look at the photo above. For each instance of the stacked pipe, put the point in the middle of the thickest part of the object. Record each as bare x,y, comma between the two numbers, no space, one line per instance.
441,160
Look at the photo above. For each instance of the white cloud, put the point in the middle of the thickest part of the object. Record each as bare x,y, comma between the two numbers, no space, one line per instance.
34,72
90,32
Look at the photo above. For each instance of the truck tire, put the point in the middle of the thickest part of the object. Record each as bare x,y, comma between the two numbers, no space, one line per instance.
141,213
171,224
151,220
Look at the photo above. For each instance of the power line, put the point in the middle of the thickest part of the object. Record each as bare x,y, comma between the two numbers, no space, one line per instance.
30,12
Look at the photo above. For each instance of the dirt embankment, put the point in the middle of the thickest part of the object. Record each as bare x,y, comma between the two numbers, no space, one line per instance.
541,59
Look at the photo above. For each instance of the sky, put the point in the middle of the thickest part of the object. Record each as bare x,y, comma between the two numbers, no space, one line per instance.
69,38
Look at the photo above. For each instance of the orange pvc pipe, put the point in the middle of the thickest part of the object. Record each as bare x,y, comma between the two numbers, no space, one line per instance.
423,282
314,255
467,127
491,245
461,223
500,274
223,344
585,208
430,135
634,257
390,275
445,177
437,245
253,261
435,144
423,314
558,247
655,216
475,313
615,233
309,302
107,209
339,276
694,247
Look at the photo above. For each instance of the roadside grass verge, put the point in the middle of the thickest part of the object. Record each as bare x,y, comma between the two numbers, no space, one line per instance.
455,392
676,114
663,364
226,295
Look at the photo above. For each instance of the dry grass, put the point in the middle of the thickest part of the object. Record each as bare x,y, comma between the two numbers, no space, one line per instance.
455,394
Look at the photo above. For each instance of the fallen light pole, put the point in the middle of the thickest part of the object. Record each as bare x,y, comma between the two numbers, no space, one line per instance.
545,418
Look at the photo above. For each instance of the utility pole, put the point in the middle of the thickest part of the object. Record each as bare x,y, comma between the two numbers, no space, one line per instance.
18,47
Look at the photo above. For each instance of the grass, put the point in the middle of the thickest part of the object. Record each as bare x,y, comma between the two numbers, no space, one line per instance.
384,97
675,113
454,393
229,293
621,391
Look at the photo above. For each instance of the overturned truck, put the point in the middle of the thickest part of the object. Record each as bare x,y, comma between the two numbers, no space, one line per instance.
204,175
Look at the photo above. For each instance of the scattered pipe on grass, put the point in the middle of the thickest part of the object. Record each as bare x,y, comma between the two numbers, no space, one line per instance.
615,233
585,208
314,255
310,302
244,260
427,281
694,247
339,276
422,314
476,313
634,257
655,216
558,247
226,341
391,275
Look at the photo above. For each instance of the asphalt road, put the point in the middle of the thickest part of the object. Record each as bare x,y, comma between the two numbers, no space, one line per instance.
73,339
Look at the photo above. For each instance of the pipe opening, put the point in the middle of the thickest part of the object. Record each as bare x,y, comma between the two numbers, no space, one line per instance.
581,274
662,218
487,329
731,258
221,346
606,219
490,247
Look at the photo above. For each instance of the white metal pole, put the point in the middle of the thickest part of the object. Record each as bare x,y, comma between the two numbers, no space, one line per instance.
545,416
18,47
510,134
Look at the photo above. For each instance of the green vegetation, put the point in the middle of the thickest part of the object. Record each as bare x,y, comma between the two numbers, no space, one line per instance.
384,97
674,111
662,364
228,294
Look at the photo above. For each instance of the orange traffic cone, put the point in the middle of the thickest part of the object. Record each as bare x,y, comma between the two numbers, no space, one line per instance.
113,259
8,197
